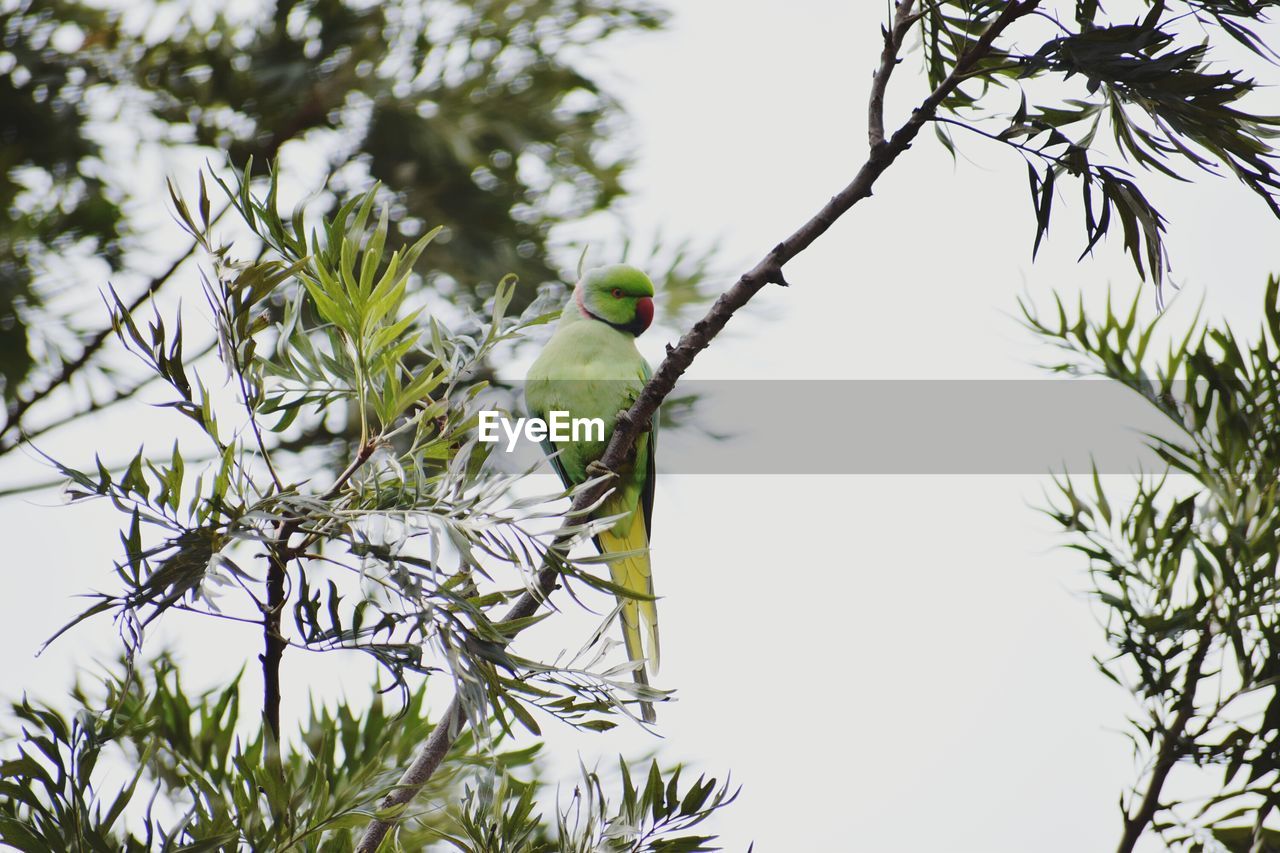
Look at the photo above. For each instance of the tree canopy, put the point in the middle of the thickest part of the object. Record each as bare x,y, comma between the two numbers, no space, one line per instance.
330,484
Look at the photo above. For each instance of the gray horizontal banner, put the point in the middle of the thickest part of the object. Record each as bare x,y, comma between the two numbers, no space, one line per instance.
870,427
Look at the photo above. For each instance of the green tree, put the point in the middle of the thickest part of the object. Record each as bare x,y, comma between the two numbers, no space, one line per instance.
324,313
1185,571
312,794
427,599
476,116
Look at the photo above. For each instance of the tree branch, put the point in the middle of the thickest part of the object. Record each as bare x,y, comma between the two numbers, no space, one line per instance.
631,423
273,641
278,558
1172,748
95,406
893,36
18,408
311,114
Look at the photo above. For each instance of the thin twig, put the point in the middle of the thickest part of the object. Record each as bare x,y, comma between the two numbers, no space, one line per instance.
253,423
1056,159
311,114
632,422
893,36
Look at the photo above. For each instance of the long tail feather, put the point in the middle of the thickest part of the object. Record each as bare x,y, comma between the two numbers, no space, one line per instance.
639,618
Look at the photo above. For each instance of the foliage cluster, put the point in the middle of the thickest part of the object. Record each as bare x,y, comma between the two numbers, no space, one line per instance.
487,118
1183,565
328,490
1153,85
192,781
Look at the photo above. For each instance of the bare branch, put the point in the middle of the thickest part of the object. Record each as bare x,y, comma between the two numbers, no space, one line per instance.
631,423
897,30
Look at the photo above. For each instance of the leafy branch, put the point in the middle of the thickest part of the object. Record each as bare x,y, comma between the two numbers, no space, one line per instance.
1158,95
13,432
321,319
1184,568
188,750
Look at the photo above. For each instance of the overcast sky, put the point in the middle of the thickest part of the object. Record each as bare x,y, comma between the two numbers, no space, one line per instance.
889,663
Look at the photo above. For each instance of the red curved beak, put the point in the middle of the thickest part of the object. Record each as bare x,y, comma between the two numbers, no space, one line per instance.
644,314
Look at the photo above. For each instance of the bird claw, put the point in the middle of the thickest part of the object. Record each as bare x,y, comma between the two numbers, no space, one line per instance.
624,415
596,469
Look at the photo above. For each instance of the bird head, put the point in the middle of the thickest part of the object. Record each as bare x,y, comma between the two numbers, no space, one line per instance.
619,295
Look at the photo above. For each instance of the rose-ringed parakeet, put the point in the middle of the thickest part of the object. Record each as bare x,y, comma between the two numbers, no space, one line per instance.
591,369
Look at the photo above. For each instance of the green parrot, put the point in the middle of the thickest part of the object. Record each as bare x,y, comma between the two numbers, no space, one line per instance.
591,369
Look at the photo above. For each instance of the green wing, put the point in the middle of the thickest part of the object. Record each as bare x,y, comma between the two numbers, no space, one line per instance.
650,466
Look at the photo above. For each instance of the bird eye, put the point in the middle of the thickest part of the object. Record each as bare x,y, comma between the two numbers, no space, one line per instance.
617,293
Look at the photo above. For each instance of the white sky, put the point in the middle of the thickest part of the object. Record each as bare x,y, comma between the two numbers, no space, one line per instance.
884,663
